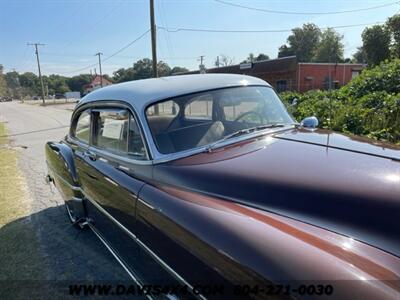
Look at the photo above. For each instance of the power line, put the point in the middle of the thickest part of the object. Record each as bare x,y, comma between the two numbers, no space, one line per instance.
112,55
94,25
163,19
254,31
305,13
127,45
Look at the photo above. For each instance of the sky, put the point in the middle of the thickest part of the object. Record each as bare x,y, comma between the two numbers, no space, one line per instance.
74,30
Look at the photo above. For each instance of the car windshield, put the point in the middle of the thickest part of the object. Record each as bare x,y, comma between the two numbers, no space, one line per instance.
205,118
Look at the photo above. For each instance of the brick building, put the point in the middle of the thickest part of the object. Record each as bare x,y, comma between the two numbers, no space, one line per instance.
96,84
287,74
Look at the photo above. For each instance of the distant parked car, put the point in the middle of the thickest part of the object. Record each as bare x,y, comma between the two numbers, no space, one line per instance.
35,98
5,99
59,96
213,178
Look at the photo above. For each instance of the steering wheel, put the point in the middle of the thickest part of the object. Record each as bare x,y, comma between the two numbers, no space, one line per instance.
251,112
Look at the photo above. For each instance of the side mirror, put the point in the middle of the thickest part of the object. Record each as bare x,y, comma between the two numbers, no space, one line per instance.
309,122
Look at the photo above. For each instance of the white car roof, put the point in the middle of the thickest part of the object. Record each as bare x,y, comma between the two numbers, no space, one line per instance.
140,93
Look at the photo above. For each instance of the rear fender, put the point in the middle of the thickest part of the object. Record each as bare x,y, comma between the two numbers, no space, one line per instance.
62,172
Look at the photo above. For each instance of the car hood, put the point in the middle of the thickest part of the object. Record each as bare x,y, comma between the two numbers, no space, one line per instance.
345,184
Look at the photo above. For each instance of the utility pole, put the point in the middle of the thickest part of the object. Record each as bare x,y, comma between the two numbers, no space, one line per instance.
38,63
201,66
217,62
101,75
153,39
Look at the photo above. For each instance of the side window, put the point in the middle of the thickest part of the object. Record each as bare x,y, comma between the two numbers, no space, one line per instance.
112,129
82,130
136,146
116,130
200,108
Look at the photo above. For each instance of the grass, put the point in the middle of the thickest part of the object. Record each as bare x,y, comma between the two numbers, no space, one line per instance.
19,248
13,195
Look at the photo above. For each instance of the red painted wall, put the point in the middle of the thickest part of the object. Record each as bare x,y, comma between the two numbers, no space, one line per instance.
314,76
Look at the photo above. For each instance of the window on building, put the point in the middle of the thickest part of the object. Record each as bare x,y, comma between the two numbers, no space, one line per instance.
281,85
354,73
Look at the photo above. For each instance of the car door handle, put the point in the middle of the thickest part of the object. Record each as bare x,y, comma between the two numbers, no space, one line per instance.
92,156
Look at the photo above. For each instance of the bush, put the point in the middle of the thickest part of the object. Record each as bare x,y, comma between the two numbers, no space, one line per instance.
369,105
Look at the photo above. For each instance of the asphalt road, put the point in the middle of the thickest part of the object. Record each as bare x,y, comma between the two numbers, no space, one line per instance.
43,246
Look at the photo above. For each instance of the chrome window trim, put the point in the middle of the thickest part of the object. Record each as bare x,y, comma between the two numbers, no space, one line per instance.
99,104
74,123
118,157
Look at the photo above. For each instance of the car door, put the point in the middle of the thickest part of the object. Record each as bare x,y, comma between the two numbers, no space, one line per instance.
109,180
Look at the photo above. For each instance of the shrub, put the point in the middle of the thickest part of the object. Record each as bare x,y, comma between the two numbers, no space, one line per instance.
369,105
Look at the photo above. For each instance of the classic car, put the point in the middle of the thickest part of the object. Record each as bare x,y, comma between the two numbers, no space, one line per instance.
216,184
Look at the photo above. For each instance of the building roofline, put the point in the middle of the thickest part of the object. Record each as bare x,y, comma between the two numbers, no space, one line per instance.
347,64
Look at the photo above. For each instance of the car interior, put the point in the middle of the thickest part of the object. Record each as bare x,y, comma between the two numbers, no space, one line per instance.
173,133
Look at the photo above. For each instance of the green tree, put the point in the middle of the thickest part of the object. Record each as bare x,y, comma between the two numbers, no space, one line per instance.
223,60
142,69
56,84
285,51
393,25
359,56
250,58
176,70
163,69
330,47
122,75
262,56
76,83
3,84
376,43
253,58
303,42
13,85
29,83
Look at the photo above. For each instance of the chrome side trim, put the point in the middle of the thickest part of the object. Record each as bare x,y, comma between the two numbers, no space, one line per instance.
143,246
145,203
73,187
116,257
122,157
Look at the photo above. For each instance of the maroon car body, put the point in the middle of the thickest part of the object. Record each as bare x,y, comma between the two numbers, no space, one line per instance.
288,206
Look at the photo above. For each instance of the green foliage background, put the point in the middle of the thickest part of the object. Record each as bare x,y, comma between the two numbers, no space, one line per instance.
369,105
